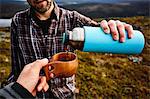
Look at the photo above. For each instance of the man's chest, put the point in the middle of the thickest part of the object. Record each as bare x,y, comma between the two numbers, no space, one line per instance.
33,42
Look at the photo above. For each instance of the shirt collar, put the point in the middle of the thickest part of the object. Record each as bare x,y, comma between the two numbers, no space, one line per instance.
56,10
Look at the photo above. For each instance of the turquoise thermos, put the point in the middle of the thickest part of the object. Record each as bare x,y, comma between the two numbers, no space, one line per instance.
93,39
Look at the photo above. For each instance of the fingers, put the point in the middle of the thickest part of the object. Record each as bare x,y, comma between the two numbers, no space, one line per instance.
129,29
46,87
104,26
51,75
117,29
121,30
43,84
113,28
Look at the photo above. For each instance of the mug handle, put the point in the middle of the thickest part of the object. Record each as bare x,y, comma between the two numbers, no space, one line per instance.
47,71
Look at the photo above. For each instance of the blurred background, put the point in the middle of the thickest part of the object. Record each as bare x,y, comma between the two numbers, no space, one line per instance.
91,8
100,75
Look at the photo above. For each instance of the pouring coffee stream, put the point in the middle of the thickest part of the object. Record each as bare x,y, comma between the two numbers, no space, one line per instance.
67,53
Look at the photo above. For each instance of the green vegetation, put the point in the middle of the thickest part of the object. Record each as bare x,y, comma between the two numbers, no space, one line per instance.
4,53
105,75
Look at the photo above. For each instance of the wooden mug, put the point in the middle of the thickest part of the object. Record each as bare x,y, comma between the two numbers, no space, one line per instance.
63,64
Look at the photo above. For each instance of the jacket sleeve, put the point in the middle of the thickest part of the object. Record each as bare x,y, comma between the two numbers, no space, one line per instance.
81,20
15,91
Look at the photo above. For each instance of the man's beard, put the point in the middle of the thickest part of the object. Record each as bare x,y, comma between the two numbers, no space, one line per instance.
43,10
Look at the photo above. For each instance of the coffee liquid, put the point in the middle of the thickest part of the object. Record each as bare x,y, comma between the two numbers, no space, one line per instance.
66,57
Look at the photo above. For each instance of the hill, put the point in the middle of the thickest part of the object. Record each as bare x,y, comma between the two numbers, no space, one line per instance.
125,9
102,75
9,8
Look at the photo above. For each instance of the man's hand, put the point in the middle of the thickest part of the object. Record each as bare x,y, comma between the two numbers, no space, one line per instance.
117,29
30,79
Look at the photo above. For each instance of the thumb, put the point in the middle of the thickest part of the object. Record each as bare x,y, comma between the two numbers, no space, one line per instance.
39,64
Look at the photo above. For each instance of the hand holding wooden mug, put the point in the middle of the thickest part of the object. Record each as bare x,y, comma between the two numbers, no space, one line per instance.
63,64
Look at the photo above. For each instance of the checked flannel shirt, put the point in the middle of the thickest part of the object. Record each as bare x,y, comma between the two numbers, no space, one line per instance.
28,43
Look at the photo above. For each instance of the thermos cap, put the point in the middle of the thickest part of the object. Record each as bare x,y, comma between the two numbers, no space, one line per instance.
77,34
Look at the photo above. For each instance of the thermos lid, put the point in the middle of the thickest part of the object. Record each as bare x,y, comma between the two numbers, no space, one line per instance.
77,34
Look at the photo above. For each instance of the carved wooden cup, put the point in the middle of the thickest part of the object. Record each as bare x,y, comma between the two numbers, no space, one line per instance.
63,64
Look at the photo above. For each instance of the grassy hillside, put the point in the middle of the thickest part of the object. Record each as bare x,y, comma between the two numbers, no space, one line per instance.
106,75
103,75
4,53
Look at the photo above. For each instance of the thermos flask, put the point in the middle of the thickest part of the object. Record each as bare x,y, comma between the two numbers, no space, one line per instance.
93,39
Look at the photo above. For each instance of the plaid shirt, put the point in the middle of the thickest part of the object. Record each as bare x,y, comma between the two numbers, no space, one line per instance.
28,43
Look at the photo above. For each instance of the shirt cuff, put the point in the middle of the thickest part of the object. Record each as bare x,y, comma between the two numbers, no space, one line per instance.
24,93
